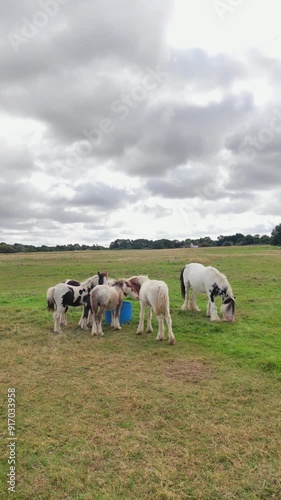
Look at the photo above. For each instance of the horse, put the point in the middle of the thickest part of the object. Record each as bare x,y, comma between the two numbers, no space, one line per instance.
101,281
105,297
155,295
210,281
63,295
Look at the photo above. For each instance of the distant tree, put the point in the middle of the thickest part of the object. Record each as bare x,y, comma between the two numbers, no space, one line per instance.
257,239
227,243
265,239
19,247
5,248
241,241
276,235
249,239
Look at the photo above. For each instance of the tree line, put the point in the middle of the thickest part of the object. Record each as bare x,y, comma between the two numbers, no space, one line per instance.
142,243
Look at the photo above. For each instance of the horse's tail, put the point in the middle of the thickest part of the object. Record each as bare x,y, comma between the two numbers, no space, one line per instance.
50,298
182,283
162,302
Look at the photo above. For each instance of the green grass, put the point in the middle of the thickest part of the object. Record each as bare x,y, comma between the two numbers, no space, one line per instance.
126,417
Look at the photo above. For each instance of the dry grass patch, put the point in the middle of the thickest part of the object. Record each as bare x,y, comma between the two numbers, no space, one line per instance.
190,371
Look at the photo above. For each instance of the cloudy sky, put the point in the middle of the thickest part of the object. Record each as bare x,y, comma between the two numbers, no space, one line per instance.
137,119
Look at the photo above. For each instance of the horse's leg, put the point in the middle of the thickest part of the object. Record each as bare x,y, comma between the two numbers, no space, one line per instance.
113,319
168,318
83,319
99,321
94,324
208,313
117,317
57,318
193,302
160,335
90,317
63,318
149,328
213,310
141,321
186,304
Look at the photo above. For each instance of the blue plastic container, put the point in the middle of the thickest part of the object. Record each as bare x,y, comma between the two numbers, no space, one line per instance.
126,313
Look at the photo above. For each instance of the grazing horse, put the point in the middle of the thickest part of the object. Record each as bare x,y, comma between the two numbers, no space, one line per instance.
104,297
62,295
154,294
210,281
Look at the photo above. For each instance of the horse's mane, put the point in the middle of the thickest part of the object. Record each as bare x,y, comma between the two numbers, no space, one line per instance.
93,280
138,280
89,281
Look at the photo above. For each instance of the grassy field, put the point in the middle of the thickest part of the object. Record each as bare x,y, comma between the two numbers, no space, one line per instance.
126,417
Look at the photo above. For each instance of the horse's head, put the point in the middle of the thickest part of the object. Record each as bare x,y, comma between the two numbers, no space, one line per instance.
132,289
102,278
228,309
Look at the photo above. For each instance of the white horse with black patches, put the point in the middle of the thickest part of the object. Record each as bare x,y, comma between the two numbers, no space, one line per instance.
63,295
210,281
105,297
154,294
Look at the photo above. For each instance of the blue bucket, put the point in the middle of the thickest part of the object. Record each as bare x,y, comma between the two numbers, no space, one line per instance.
126,313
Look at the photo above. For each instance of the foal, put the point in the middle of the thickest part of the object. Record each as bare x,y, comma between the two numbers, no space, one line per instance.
104,297
154,294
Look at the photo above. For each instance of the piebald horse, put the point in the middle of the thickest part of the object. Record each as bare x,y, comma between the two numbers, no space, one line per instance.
63,295
210,281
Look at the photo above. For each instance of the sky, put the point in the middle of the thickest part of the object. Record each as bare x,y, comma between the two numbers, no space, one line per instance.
136,119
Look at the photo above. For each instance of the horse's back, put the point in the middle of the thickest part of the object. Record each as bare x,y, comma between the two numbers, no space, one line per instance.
152,290
104,295
194,274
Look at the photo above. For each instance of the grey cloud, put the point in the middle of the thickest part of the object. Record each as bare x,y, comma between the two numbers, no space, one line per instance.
157,211
206,71
261,174
16,163
100,195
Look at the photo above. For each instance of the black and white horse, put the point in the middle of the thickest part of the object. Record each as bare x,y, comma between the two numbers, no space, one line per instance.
63,295
210,281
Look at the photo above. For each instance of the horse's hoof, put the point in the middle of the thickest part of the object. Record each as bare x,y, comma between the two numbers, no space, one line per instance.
138,333
149,330
172,341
